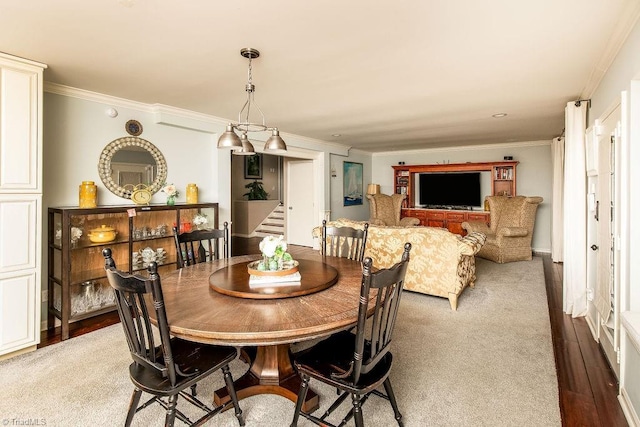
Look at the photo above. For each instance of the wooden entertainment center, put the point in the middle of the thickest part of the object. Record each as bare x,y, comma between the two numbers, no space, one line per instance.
503,182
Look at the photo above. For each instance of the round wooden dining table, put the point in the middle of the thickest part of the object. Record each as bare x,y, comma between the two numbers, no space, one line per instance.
198,312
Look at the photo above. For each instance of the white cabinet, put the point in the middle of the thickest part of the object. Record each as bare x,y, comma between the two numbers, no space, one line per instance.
20,203
20,132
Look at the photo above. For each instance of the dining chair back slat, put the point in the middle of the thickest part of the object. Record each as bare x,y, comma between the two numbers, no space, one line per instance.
201,245
345,242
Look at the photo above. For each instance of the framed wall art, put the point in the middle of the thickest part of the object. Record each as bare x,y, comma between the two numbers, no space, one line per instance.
253,166
352,183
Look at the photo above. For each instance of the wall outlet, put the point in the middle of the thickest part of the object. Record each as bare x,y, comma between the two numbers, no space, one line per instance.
44,296
589,294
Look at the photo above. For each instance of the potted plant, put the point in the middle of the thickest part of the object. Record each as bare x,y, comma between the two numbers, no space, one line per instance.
256,191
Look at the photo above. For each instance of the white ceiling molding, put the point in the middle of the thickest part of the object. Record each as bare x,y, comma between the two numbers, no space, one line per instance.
15,59
172,116
626,23
464,148
88,95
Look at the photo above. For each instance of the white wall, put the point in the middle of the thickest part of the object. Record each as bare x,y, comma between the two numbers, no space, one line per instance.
76,131
534,173
338,210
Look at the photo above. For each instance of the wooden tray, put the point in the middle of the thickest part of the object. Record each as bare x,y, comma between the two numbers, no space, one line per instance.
252,267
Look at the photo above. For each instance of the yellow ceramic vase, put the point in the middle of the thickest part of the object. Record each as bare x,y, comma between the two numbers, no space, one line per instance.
88,195
192,194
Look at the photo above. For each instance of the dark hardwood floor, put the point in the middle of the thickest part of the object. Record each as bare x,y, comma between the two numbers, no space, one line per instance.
587,386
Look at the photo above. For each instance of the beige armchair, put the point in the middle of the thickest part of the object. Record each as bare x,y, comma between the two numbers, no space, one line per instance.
511,230
385,210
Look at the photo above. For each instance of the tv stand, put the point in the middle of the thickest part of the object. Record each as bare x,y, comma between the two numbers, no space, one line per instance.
449,218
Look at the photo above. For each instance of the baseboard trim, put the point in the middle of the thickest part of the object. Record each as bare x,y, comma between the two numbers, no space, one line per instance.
18,352
627,408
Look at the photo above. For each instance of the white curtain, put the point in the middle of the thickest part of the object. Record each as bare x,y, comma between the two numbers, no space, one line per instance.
575,211
557,226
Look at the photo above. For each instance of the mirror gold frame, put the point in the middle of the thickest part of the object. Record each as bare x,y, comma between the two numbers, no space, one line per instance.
104,164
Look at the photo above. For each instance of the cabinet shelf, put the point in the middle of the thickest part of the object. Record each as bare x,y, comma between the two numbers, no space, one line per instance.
147,239
77,283
86,245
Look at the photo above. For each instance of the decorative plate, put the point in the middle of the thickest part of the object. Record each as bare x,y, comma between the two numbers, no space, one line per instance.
133,127
252,267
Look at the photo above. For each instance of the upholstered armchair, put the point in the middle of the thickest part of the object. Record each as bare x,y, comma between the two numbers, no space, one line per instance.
385,210
509,235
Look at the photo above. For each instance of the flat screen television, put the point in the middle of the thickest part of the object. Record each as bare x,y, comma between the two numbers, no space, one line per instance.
450,189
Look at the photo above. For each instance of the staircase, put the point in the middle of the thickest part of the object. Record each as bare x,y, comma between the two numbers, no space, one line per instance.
273,224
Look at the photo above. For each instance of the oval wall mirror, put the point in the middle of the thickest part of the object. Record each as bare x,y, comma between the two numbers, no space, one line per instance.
130,161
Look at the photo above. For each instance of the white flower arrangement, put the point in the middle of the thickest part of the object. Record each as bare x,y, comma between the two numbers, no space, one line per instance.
76,233
271,246
200,219
274,252
170,190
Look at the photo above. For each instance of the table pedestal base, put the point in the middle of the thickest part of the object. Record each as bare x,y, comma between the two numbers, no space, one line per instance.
271,373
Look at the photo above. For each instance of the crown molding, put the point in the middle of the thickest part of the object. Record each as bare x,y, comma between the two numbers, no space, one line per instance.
88,95
22,60
625,23
464,148
178,117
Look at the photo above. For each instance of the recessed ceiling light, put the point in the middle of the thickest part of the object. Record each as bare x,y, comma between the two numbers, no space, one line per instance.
499,115
336,135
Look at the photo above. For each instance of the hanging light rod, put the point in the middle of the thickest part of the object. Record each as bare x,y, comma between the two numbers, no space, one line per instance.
577,102
241,145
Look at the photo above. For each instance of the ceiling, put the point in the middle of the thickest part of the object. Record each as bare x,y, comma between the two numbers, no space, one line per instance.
385,75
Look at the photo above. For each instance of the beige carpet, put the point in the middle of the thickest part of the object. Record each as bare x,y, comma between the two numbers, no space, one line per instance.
488,364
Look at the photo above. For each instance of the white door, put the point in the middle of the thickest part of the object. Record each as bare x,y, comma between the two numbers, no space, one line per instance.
605,295
299,202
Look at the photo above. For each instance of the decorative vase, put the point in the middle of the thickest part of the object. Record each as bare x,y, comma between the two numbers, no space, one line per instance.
88,193
272,263
192,194
171,200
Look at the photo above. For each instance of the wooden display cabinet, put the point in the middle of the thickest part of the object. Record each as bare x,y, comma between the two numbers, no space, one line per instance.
503,183
503,180
503,176
77,285
401,183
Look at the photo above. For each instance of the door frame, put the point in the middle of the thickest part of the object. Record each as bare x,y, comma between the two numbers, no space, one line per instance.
318,165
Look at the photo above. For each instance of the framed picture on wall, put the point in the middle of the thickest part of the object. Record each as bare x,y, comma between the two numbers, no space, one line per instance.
253,167
352,183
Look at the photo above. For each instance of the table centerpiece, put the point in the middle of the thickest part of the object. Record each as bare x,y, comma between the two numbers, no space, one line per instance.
276,261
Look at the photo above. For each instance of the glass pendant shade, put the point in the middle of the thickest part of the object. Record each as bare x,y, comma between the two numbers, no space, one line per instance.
247,147
275,144
229,139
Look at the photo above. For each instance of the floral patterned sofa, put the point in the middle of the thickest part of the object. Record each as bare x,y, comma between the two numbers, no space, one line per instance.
442,263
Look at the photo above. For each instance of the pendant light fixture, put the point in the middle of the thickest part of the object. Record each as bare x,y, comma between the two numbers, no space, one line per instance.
247,147
241,145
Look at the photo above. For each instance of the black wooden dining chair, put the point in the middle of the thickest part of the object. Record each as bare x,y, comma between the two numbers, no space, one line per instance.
345,242
165,370
357,364
201,245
